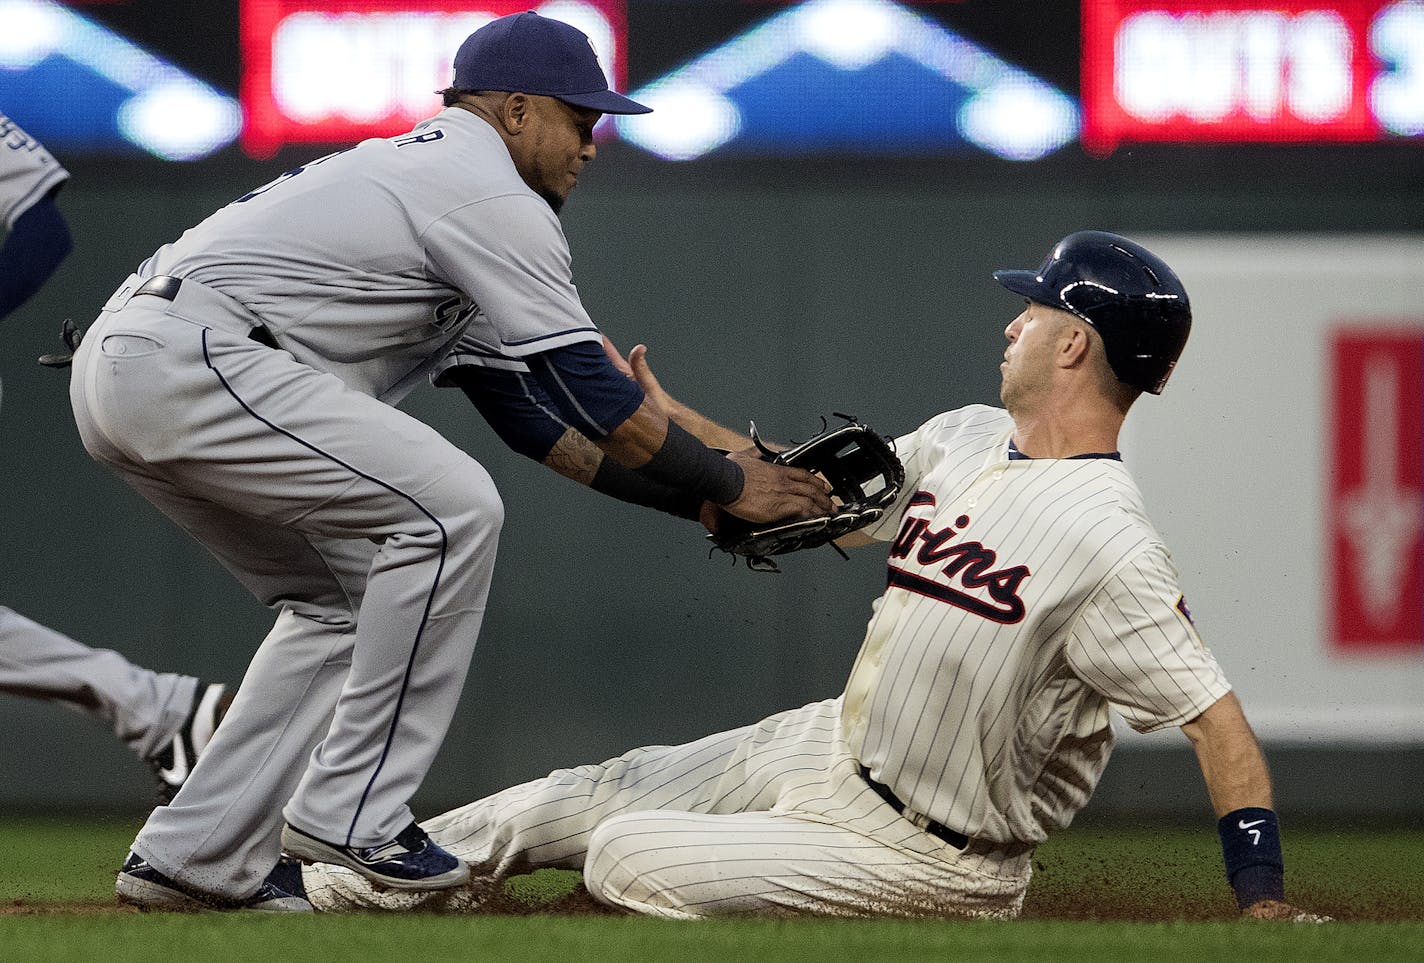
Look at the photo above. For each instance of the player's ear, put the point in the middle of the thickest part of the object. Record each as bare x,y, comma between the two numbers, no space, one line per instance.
515,112
1074,345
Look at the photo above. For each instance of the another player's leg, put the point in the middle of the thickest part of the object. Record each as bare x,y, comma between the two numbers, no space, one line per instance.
547,822
778,864
543,823
173,763
828,845
165,718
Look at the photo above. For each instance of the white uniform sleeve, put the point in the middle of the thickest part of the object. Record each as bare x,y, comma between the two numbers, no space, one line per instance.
27,172
510,256
1135,644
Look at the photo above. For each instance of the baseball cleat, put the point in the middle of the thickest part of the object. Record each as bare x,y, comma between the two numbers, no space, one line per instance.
172,764
140,885
411,861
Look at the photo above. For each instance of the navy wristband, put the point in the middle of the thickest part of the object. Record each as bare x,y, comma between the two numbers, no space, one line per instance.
1251,849
684,462
628,485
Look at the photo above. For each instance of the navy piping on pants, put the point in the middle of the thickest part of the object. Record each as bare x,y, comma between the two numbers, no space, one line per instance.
429,600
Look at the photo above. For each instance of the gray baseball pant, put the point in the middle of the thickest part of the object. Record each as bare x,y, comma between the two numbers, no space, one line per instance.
371,536
144,708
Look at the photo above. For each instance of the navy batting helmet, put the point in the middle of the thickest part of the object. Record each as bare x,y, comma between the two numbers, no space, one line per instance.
1128,294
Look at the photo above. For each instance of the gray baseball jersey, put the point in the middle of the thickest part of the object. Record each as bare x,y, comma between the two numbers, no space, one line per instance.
292,466
372,262
27,172
1025,598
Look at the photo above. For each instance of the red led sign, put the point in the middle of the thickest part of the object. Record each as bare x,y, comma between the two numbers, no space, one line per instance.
337,72
1251,71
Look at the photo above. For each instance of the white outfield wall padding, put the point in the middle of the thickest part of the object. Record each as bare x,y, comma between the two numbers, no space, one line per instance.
1235,461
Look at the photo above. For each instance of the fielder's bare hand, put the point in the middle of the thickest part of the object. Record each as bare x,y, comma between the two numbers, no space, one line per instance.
616,357
635,366
1274,909
775,492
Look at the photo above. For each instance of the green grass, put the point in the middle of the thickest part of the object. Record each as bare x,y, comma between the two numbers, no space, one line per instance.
66,912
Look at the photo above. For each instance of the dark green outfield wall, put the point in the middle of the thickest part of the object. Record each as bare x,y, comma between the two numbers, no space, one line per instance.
610,627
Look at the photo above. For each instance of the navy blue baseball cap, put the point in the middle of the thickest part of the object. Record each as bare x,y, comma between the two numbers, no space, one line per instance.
530,54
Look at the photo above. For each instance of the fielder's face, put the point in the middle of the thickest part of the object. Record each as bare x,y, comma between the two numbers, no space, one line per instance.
1027,369
554,147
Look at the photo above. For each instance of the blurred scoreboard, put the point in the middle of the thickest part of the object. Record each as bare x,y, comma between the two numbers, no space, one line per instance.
337,72
734,79
1185,72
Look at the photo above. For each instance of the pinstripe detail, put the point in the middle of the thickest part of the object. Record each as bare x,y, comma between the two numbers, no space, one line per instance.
780,802
430,596
999,728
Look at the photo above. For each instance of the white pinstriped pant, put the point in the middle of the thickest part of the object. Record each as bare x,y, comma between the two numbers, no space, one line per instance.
770,819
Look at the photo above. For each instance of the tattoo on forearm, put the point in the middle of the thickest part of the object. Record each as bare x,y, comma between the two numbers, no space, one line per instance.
574,456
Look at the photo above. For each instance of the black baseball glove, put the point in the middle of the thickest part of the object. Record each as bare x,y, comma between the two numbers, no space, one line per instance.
865,478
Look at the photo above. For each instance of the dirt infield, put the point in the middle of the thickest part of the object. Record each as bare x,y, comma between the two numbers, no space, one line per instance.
1099,904
1139,875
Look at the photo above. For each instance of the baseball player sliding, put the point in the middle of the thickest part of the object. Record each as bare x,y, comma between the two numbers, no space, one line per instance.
1027,596
243,380
165,719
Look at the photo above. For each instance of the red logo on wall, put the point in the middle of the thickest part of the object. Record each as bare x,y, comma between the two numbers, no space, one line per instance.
1374,570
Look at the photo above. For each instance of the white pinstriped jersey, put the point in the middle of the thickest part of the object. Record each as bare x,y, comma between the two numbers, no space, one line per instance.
27,172
1024,598
372,262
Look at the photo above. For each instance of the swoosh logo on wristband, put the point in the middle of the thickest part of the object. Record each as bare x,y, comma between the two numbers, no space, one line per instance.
1255,833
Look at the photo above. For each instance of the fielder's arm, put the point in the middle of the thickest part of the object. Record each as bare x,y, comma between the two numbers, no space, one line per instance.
1240,788
709,432
31,252
632,461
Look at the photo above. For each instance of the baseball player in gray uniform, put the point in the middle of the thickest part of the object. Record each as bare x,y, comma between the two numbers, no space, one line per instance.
1028,595
36,236
243,380
165,719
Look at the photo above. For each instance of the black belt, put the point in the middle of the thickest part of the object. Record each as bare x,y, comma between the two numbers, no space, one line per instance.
938,830
166,287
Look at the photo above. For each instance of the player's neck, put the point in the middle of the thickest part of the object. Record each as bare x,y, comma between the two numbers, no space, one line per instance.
1065,430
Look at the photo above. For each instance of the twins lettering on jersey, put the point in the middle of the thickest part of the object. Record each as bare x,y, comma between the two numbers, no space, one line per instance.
968,580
